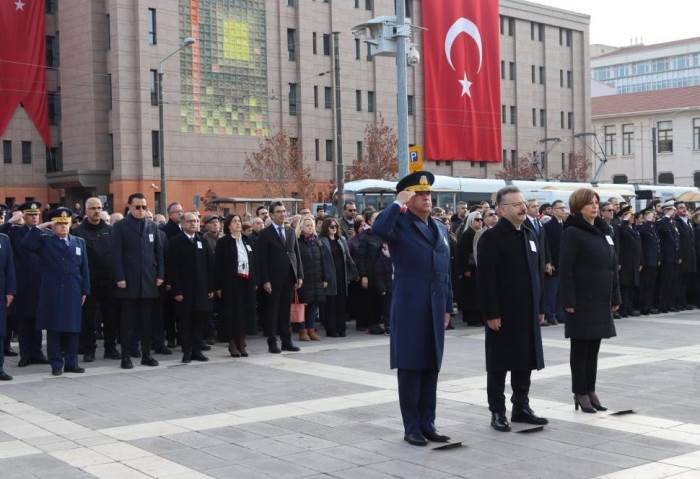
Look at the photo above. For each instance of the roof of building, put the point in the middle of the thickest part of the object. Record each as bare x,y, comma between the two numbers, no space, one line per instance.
654,46
669,99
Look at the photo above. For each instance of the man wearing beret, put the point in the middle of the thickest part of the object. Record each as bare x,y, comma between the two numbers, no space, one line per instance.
421,302
65,284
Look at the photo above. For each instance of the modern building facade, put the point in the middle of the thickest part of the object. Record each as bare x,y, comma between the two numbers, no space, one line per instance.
630,127
258,67
641,68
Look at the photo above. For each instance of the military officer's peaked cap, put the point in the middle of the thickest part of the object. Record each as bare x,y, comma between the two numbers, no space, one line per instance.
30,207
417,181
669,204
210,218
61,215
625,209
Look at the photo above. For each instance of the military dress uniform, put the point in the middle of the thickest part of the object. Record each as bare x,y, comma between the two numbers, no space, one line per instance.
8,287
65,279
651,258
422,295
669,274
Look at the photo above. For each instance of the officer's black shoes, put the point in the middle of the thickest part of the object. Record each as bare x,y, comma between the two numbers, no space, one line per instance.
186,358
127,364
4,376
527,415
415,439
635,313
552,321
499,421
40,360
199,357
206,347
112,354
56,371
24,362
88,357
76,369
290,347
272,346
149,361
435,436
11,353
172,344
163,350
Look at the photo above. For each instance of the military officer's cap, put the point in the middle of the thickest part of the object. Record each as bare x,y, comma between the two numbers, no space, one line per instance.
30,207
210,218
625,209
62,215
417,182
670,204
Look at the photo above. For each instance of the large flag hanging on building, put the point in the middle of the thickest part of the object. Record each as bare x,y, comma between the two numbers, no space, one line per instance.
23,63
461,76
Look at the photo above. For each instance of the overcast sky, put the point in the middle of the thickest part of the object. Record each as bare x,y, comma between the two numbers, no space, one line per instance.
615,22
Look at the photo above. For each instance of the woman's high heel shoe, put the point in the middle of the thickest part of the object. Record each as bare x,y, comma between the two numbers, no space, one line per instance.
595,402
582,401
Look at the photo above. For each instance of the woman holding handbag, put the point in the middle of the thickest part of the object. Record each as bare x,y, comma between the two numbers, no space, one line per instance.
317,274
235,284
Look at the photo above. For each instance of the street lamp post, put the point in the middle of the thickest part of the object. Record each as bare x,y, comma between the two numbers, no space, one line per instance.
189,41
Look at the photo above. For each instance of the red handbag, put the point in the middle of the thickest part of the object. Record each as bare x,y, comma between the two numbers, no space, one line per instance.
297,311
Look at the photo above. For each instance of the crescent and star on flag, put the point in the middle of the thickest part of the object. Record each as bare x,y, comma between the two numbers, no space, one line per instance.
19,5
462,25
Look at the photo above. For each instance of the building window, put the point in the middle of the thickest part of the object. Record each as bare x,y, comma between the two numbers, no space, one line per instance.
411,105
512,70
696,179
561,78
329,150
503,114
610,140
534,117
153,85
109,89
569,39
357,48
359,151
503,23
533,74
370,101
54,105
326,44
503,70
358,100
110,137
563,161
511,27
665,137
51,6
108,32
620,179
627,138
313,43
369,4
152,28
52,57
696,133
513,115
357,3
369,52
536,31
291,3
7,152
26,152
569,79
54,160
317,149
293,99
541,75
327,98
561,119
514,157
315,96
543,118
666,178
292,44
155,147
570,119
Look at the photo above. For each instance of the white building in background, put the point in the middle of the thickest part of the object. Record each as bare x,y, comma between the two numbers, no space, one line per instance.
625,126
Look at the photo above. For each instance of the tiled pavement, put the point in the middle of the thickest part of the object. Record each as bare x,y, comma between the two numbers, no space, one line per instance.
331,412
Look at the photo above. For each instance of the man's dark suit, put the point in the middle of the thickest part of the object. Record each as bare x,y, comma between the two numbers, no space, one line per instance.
279,263
165,306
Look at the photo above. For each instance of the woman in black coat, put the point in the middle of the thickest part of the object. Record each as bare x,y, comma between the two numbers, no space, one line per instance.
589,292
317,276
235,284
368,253
630,261
468,297
343,273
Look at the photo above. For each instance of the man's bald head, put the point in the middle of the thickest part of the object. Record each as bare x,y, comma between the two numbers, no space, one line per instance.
93,208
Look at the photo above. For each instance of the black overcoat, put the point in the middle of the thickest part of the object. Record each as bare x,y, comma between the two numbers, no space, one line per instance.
467,296
669,240
317,270
553,229
237,294
631,255
589,278
348,265
28,269
510,284
368,252
190,273
686,243
138,258
651,247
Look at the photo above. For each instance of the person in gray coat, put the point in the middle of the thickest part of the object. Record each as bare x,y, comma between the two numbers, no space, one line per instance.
589,290
138,271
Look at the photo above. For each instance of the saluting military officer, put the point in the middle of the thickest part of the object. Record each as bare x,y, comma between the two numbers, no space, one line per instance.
669,274
421,302
65,284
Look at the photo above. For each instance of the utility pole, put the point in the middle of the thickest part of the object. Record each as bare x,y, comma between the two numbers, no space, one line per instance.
653,155
402,93
339,170
162,203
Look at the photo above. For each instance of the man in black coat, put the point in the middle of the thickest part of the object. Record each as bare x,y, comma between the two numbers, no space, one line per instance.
685,294
98,241
191,275
630,261
553,228
651,259
174,225
510,281
167,304
535,225
280,270
670,258
138,272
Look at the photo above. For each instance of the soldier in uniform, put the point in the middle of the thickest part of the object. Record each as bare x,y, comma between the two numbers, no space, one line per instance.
669,239
651,259
23,311
65,284
421,302
8,289
685,294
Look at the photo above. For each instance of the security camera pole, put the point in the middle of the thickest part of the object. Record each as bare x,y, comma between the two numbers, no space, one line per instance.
402,95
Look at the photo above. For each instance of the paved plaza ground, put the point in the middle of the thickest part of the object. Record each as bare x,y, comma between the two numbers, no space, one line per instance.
331,411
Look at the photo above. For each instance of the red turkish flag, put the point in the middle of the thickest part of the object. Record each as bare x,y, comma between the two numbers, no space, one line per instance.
23,63
461,77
